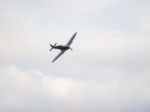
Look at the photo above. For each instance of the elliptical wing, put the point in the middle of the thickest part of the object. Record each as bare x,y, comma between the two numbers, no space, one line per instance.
61,53
71,40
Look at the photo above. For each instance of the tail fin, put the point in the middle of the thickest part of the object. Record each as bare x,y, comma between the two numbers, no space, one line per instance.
52,46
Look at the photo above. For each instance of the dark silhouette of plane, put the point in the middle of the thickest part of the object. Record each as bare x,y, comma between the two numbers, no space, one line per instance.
63,48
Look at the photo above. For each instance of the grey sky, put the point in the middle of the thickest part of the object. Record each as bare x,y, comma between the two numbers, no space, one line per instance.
108,70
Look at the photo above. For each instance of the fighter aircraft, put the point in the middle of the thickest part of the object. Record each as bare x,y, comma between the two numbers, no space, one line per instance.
62,48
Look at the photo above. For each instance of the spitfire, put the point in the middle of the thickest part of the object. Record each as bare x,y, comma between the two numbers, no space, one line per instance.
62,48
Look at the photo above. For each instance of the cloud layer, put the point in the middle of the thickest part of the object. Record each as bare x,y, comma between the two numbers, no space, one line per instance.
34,91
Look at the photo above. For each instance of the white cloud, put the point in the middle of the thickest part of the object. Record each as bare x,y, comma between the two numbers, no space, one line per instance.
34,91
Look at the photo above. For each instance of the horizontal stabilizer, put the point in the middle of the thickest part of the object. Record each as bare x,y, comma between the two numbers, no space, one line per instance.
52,46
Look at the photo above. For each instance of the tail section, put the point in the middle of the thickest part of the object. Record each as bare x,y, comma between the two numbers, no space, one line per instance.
52,46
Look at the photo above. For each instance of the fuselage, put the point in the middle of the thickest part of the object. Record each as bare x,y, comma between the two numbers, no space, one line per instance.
61,47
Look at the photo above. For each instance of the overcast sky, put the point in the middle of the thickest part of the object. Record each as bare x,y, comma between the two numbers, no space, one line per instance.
107,71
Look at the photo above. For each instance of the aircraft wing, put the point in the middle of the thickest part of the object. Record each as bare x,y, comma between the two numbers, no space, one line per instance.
61,53
71,39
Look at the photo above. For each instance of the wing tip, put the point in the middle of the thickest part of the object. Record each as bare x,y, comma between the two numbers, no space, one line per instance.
53,61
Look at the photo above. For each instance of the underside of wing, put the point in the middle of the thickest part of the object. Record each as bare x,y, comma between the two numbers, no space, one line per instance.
61,53
71,39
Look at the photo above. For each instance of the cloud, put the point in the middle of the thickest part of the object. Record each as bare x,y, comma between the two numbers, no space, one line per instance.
34,91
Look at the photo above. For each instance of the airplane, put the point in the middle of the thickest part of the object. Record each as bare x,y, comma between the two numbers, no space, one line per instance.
62,48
